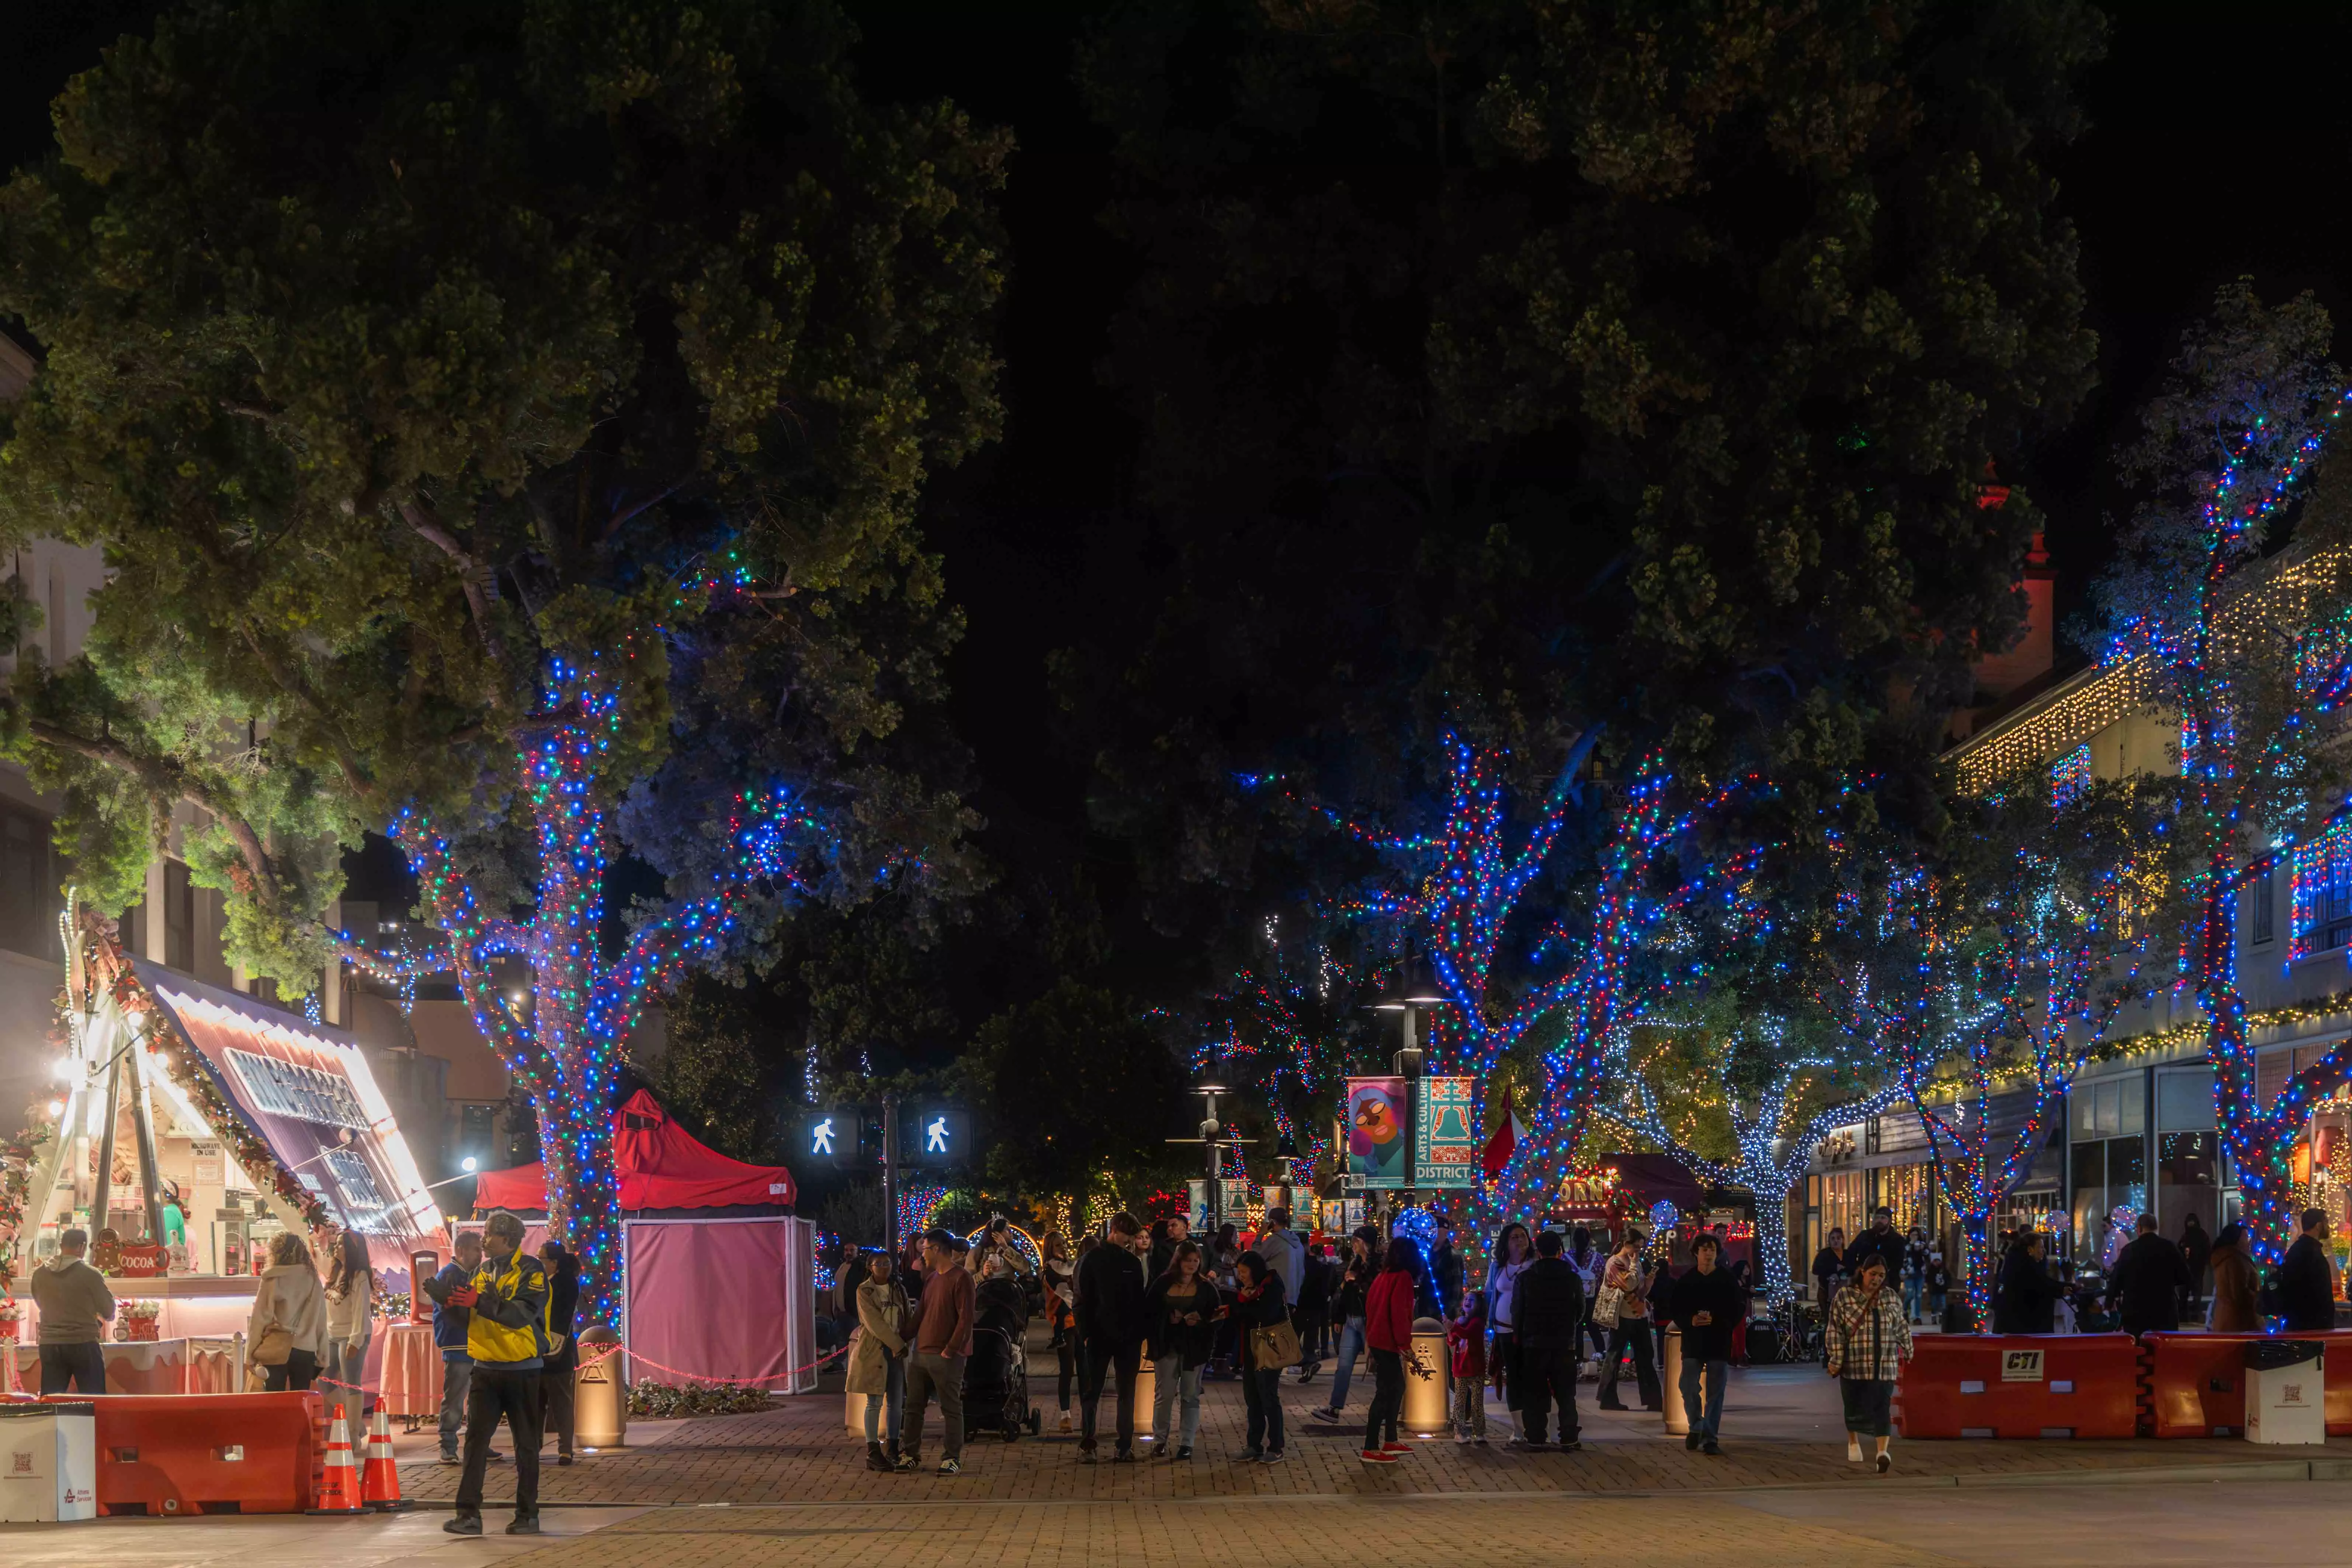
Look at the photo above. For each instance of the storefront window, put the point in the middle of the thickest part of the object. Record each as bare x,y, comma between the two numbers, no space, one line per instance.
1842,1203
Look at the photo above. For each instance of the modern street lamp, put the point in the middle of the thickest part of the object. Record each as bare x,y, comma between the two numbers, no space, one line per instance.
1215,1141
1411,989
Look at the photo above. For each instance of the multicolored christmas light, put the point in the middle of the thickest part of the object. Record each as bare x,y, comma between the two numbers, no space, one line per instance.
1773,1132
565,1050
2233,636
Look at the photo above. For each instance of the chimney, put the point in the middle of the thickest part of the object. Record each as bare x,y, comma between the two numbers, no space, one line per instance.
1999,675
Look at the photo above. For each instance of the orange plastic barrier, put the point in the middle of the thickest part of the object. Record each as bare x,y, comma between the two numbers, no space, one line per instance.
2020,1385
2194,1386
168,1455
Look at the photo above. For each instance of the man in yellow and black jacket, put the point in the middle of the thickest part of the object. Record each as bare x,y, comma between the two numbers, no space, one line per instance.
507,1341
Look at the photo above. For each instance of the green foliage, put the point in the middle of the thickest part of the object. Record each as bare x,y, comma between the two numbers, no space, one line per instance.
1071,1084
650,1400
607,330
1527,366
718,1069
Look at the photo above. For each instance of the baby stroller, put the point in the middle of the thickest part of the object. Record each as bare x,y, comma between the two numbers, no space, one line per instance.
997,1377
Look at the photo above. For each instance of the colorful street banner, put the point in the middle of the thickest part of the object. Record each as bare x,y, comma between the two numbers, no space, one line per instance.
1376,1132
1445,1149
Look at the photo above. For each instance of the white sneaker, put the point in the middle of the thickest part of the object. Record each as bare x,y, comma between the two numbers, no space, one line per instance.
1852,1452
1462,1437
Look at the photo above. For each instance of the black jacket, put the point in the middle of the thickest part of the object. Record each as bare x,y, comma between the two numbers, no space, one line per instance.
1892,1246
1548,1305
1347,1292
562,1304
2027,1299
1315,1285
1194,1342
1827,1265
2145,1289
1719,1296
1268,1310
2197,1246
2306,1287
1445,1273
1109,1308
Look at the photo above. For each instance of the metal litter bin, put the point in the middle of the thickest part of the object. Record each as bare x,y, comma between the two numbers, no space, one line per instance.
600,1393
1670,1374
1427,1411
49,1462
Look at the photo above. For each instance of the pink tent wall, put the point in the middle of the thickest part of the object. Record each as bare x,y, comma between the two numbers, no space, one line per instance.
722,1300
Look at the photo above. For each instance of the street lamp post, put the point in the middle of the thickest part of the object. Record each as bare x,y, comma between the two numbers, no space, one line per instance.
1411,992
1215,1141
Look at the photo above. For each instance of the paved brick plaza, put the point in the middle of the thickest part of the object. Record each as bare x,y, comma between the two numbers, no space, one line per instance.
799,1452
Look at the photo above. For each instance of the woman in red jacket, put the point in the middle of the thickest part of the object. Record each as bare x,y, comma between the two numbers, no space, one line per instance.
1387,1334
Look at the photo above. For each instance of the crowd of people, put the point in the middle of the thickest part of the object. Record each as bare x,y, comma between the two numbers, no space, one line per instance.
2154,1283
1553,1310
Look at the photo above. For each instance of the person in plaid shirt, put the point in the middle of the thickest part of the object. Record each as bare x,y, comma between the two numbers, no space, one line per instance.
1870,1339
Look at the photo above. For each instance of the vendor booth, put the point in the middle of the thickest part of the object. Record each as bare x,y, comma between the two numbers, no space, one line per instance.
195,1124
720,1277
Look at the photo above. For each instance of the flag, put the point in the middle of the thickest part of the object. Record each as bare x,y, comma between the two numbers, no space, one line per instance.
1505,1139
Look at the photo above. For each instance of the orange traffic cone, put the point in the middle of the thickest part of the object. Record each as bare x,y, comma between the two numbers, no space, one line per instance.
380,1478
339,1484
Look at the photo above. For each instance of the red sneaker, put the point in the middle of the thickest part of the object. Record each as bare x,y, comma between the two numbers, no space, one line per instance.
1396,1447
1375,1457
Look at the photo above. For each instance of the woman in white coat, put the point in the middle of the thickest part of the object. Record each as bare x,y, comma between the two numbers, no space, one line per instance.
287,1333
350,1319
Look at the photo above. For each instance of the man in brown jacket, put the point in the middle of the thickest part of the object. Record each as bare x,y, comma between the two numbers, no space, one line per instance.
76,1307
942,1338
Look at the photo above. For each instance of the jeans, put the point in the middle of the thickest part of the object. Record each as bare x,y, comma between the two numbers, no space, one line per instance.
1912,1289
82,1368
1550,1375
1094,1362
1703,1384
1262,1392
893,1395
943,1375
1352,1341
1387,1399
346,1373
456,1375
1631,1333
1171,1379
1503,1356
495,1393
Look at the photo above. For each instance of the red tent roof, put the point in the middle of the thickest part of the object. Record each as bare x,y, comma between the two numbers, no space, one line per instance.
662,1167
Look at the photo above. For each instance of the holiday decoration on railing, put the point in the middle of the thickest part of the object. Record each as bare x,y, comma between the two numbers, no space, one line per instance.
16,1162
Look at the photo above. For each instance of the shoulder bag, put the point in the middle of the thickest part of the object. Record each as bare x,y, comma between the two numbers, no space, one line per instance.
1274,1345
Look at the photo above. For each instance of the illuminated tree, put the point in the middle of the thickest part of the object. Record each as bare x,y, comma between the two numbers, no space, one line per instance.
508,435
2252,648
1741,1104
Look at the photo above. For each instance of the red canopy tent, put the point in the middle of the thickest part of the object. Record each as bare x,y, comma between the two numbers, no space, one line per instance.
662,1167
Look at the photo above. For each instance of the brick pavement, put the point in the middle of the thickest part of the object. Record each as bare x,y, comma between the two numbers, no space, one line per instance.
799,1452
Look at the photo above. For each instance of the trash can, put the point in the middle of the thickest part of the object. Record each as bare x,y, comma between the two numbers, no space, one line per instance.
49,1462
2286,1391
1427,1411
600,1391
1670,1377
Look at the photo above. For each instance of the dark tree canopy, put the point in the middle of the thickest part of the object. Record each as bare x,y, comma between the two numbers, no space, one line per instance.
394,352
1532,366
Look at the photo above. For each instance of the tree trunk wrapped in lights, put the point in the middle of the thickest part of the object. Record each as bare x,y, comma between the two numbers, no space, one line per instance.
2251,647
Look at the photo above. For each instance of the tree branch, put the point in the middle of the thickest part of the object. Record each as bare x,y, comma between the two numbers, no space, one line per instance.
471,574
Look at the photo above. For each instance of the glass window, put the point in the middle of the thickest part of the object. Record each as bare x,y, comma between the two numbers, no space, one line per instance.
2131,1108
2184,1100
2089,1200
2264,891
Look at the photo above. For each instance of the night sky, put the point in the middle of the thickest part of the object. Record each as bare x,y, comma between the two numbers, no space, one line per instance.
2217,147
